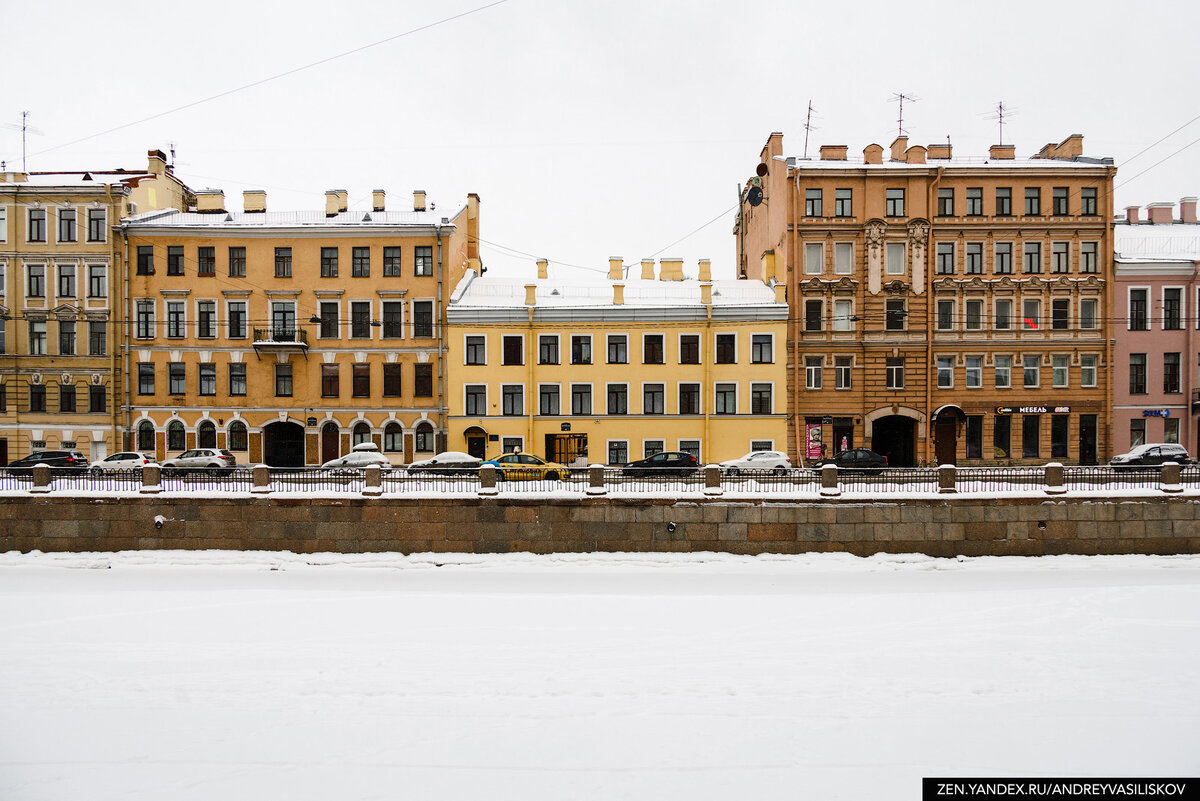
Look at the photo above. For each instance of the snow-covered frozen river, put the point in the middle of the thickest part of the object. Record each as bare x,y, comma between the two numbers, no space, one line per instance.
218,675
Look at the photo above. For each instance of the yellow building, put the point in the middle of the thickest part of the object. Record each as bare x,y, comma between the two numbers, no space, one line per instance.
288,337
61,265
614,371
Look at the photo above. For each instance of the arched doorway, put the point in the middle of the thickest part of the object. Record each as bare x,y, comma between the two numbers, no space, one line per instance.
330,445
283,444
895,436
476,442
945,433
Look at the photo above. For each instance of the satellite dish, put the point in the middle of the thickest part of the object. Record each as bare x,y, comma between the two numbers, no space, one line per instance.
754,197
760,170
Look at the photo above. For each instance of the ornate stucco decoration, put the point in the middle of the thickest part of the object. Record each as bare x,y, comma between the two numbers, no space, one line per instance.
918,237
873,232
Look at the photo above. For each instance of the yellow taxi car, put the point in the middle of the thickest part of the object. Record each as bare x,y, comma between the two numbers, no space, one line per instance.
527,467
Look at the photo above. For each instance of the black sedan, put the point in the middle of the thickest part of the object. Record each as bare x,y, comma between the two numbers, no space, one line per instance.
855,459
668,463
69,461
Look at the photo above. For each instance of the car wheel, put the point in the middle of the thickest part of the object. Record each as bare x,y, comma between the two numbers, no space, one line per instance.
779,471
733,471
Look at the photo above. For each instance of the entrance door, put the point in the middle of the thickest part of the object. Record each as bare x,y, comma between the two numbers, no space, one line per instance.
4,451
895,437
283,445
329,442
99,449
945,440
477,445
1087,439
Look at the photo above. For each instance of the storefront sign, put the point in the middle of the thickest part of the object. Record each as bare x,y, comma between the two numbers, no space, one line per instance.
1033,410
1156,412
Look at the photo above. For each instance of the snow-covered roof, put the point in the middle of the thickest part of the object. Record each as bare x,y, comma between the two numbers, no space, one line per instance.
78,179
966,163
173,218
1171,242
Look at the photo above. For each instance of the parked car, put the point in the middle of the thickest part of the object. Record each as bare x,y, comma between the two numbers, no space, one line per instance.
527,467
67,461
757,462
129,460
211,460
448,463
361,456
667,463
855,459
1153,453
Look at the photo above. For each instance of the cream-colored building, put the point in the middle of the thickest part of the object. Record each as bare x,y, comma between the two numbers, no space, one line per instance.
616,370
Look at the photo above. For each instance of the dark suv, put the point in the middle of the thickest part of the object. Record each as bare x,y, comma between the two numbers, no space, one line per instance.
73,461
1154,453
855,459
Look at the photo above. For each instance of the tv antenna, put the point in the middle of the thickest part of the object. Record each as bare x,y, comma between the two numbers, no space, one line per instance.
171,145
25,128
900,98
999,113
808,126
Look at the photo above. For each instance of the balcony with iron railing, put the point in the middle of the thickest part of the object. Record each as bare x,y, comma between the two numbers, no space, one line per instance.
280,338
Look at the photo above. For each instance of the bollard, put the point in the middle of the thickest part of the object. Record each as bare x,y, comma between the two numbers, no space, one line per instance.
712,480
262,479
373,486
596,484
829,481
151,479
41,478
1055,484
1169,481
487,480
947,478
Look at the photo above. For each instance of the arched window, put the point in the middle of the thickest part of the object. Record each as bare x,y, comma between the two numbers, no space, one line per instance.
145,436
238,436
175,438
393,438
361,434
206,435
424,439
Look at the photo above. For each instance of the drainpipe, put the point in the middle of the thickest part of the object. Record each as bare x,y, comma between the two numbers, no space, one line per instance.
707,387
929,310
530,353
1102,456
114,364
441,391
1187,434
125,343
794,313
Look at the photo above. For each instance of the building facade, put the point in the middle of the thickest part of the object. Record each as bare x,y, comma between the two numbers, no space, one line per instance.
942,310
1156,389
61,321
289,337
615,371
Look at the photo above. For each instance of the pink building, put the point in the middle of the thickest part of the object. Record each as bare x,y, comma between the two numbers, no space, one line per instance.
1156,371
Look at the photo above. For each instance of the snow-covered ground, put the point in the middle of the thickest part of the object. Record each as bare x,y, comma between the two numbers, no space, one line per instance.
218,675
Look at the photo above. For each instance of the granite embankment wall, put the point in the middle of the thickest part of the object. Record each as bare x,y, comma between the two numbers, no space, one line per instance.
939,526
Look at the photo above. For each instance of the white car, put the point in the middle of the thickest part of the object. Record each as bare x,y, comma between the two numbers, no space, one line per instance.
448,462
757,462
210,460
360,457
128,460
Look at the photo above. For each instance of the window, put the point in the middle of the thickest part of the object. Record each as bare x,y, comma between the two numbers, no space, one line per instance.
1003,372
3,225
1087,370
145,260
945,372
894,314
894,370
1001,436
97,222
423,318
512,350
1137,310
1060,314
814,258
175,436
37,225
423,260
1033,257
842,378
393,438
97,280
1171,430
652,349
1031,312
618,452
1003,201
618,351
37,337
1033,368
145,378
652,447
813,314
581,349
206,319
843,258
206,261
547,349
1060,371
1031,436
329,320
894,200
283,380
975,201
843,315
237,380
392,380
208,379
1003,315
66,280
843,202
548,400
66,337
238,436
37,397
145,436
812,202
237,262
1003,263
895,258
393,319
974,258
1059,195
1060,257
726,399
37,281
974,315
762,349
1033,201
360,433
176,319
512,397
653,401
330,385
760,399
945,315
391,262
329,262
423,441
177,378
237,319
175,260
813,371
945,258
689,349
360,319
945,202
283,262
1087,200
689,399
423,381
66,397
974,436
618,398
1172,319
581,399
974,372
97,399
97,338
475,399
476,350
1171,383
1137,432
360,262
1058,435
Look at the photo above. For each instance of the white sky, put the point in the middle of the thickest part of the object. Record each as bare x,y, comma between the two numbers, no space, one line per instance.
589,130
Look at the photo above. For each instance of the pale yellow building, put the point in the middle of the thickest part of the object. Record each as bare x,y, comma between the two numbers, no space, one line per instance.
616,370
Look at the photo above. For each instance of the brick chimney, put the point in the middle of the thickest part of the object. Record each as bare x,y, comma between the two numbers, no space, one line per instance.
939,151
834,152
1131,214
1002,152
915,155
419,200
616,268
1161,213
531,294
157,162
336,201
706,293
210,201
254,201
647,269
378,200
705,269
543,269
618,294
899,145
670,270
781,293
873,154
1187,209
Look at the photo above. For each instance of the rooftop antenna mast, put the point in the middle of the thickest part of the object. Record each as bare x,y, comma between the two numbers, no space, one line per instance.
808,126
25,128
900,98
999,113
172,146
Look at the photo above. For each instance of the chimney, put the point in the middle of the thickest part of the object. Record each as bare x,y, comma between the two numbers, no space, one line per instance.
833,152
618,294
158,162
377,200
419,200
1161,213
670,270
705,270
780,293
543,269
873,154
1131,214
1187,209
706,293
210,201
898,147
939,151
1070,147
336,201
1002,152
254,201
531,294
915,155
616,268
647,269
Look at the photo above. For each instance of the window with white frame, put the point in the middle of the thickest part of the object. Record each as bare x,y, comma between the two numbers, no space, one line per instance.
812,372
973,319
145,319
1172,308
1003,318
691,446
762,350
1003,256
945,315
1087,369
814,258
618,451
581,399
725,399
843,258
945,258
3,225
36,228
945,372
895,258
1060,371
1060,257
548,399
843,314
513,399
760,398
176,319
97,225
1087,313
36,284
894,372
1171,430
652,446
974,372
475,399
1003,372
974,258
475,350
237,319
66,280
842,376
97,280
206,319
617,399
1031,312
1033,371
1033,257
1088,261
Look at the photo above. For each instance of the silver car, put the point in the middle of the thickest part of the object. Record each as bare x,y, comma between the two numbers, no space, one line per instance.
210,460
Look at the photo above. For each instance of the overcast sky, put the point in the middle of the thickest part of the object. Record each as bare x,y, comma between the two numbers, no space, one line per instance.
588,129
